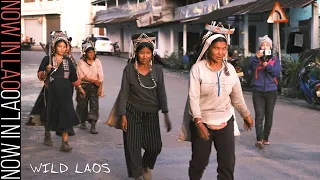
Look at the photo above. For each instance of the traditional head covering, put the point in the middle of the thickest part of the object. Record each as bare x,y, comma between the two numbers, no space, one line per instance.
138,39
265,39
214,32
135,43
88,44
57,36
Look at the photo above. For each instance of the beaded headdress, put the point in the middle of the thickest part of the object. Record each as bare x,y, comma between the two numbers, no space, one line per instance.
57,36
136,41
142,38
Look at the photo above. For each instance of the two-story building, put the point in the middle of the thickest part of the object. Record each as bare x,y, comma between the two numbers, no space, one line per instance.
40,17
123,18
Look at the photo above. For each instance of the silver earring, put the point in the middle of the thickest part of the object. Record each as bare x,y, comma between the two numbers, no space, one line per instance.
136,62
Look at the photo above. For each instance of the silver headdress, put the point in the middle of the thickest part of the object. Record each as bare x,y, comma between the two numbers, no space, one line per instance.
87,45
56,36
142,38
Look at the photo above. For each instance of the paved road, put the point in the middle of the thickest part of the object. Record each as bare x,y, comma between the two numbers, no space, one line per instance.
294,153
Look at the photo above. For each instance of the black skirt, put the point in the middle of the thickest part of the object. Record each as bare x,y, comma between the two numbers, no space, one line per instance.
61,115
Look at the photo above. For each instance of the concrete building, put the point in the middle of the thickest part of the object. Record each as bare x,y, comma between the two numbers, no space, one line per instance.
40,17
123,18
177,24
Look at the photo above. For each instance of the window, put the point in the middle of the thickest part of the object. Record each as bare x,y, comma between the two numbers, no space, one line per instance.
102,38
28,1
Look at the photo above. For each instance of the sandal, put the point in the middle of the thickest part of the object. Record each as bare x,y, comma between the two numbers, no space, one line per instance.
259,144
266,142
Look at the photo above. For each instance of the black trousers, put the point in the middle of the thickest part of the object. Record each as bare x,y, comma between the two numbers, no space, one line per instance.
264,103
143,132
88,107
224,144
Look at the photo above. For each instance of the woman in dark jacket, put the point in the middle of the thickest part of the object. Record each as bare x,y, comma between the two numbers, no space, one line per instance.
59,74
266,70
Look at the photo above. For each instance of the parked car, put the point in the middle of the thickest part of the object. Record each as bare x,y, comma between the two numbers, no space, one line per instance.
102,45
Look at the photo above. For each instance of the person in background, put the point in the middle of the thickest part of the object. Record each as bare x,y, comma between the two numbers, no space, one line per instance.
266,69
93,39
90,73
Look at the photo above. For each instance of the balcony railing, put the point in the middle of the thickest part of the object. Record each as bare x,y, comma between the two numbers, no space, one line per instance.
39,8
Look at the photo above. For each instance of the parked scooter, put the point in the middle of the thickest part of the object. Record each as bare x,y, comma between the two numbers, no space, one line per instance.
309,84
116,49
26,42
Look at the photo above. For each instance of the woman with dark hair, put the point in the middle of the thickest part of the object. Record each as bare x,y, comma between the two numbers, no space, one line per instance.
90,73
214,90
59,74
141,96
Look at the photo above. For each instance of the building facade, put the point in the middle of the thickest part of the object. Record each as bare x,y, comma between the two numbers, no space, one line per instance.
178,24
40,17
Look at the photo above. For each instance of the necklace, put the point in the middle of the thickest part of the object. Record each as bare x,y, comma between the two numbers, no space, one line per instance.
140,82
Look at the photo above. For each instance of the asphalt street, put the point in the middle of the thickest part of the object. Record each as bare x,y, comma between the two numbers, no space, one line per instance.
294,152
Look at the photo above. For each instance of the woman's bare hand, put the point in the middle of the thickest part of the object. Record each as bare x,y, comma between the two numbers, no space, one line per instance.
124,123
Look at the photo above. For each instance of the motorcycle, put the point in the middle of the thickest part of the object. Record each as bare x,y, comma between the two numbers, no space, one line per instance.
27,42
116,49
236,59
309,84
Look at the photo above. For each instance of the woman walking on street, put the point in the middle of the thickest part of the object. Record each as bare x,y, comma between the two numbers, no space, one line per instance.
266,69
90,73
141,96
214,90
59,75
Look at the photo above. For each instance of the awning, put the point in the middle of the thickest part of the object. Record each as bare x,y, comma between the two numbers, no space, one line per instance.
118,19
241,7
155,18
